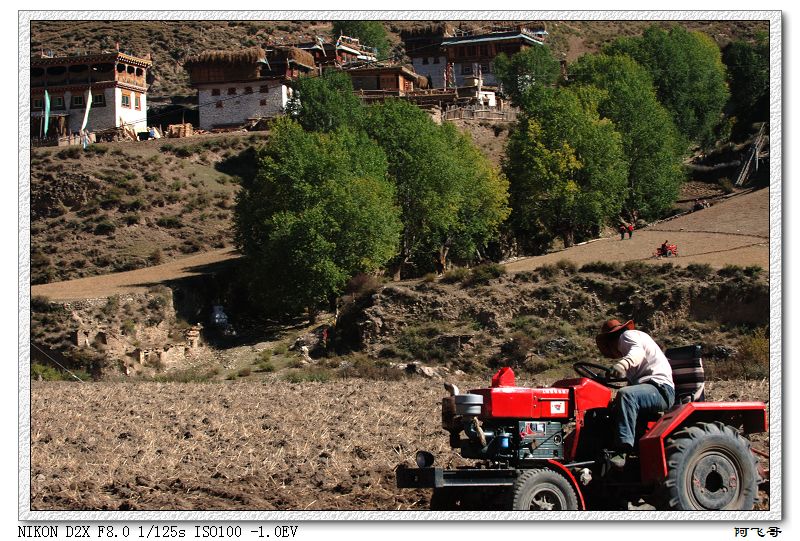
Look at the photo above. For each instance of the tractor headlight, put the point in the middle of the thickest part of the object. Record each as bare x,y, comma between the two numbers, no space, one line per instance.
424,459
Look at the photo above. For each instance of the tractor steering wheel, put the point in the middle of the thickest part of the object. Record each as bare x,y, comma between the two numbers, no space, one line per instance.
592,371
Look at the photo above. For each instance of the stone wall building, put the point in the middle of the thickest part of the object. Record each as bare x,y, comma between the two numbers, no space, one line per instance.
117,83
234,87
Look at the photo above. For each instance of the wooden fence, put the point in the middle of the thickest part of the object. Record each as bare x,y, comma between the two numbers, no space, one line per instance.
480,113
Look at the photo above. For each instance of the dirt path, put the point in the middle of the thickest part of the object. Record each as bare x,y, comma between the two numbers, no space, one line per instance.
734,231
136,281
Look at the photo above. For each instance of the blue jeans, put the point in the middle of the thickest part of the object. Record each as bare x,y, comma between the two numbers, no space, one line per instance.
633,399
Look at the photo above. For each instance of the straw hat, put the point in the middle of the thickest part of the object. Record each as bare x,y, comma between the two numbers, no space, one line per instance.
609,331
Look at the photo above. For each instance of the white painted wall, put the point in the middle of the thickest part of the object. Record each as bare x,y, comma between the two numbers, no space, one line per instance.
435,71
108,115
237,109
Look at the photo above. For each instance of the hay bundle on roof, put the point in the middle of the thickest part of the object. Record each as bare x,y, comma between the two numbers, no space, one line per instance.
231,58
299,56
440,29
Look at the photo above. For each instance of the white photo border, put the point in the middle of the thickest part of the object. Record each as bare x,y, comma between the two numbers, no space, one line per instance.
775,270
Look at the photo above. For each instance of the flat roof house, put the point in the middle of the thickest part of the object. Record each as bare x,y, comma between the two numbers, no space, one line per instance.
115,82
234,87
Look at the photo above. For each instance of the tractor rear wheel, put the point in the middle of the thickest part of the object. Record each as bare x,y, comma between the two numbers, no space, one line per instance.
543,490
710,467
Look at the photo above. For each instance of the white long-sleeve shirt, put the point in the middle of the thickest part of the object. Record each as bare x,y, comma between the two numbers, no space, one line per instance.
643,360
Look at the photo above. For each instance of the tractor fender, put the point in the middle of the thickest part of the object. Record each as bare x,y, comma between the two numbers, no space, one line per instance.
571,478
751,416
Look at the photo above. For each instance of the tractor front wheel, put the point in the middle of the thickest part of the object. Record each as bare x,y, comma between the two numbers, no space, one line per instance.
710,467
543,490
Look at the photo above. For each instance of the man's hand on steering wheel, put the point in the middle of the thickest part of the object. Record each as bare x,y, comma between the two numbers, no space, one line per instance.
601,374
616,372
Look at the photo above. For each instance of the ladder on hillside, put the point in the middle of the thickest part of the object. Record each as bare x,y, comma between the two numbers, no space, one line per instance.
751,163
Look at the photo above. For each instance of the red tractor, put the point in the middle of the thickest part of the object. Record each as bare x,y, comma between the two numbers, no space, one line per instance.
666,250
548,448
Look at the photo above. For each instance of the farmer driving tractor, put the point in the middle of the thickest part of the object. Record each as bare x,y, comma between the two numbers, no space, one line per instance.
650,387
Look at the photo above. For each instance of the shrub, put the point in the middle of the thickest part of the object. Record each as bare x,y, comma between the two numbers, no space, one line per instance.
170,222
97,149
156,257
362,285
602,267
548,272
265,365
42,305
46,373
360,366
567,266
731,271
105,227
244,372
699,270
753,271
483,274
430,277
132,219
315,374
726,185
454,275
73,152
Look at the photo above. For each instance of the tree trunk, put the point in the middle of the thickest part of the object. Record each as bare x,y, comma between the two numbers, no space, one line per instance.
568,236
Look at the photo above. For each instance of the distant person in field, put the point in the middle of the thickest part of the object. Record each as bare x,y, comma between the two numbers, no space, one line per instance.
630,231
665,248
622,230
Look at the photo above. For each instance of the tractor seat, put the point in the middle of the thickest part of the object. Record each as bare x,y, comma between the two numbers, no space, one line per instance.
687,373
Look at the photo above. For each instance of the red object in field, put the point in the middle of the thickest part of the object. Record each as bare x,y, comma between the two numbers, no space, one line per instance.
524,403
504,378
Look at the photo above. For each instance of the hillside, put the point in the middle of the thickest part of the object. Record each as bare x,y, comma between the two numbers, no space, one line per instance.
122,206
170,42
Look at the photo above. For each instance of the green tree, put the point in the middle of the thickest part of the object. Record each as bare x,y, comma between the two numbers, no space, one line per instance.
450,195
326,103
748,76
370,33
534,66
652,145
688,74
565,166
319,211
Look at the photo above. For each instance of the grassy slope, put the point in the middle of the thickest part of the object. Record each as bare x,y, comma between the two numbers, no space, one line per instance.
170,42
126,206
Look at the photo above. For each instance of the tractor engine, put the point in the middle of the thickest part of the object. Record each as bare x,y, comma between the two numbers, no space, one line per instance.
508,424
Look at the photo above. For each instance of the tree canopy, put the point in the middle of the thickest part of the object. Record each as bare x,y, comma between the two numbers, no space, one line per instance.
748,75
326,103
688,74
566,169
652,145
534,66
450,195
370,33
319,211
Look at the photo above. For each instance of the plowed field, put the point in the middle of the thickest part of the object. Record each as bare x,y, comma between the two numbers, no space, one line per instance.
245,445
